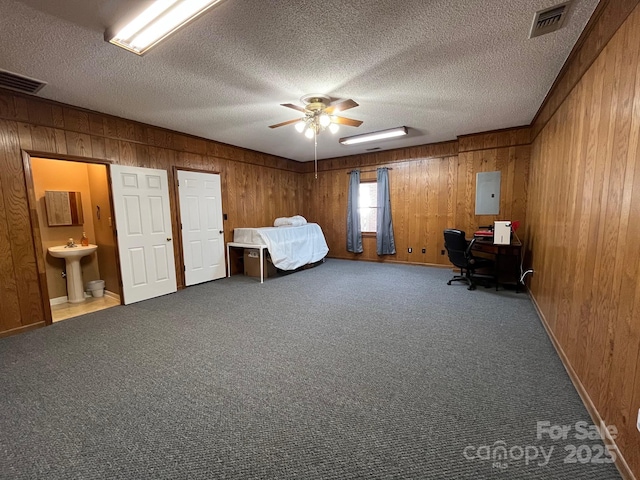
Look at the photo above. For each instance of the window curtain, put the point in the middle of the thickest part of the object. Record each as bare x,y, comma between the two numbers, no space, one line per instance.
385,242
354,234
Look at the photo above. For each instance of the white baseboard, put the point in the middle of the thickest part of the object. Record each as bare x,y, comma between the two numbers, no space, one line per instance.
58,300
61,300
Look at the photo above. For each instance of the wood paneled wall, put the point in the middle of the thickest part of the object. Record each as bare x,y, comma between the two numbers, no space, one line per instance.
584,233
256,187
432,187
603,24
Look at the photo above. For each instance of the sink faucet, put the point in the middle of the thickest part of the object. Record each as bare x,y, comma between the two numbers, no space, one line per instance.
71,243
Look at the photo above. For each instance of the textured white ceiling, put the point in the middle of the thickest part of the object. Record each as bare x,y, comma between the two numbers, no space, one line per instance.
442,68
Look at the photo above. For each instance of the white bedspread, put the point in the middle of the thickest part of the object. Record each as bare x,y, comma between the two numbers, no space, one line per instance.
289,247
247,235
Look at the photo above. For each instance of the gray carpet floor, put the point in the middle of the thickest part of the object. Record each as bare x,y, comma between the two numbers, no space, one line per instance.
350,370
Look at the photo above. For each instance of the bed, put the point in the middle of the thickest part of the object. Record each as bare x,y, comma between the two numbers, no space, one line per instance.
290,247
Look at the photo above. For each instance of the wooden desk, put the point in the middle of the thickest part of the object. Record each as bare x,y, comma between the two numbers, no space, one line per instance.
507,258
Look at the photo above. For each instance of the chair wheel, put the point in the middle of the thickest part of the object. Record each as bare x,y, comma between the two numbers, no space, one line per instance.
471,287
449,282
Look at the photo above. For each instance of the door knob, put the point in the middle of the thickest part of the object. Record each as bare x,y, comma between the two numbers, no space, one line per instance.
168,239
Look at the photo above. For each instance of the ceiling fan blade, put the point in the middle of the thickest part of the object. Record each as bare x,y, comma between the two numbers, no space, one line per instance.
295,107
341,106
288,122
347,121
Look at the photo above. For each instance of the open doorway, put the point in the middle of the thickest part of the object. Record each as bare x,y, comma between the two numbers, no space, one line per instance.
92,217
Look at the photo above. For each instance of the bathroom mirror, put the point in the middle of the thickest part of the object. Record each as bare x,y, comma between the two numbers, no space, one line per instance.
63,208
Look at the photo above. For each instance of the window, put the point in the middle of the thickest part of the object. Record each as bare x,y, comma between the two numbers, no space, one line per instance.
368,206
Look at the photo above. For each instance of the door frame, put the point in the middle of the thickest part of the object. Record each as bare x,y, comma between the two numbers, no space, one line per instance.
178,217
36,236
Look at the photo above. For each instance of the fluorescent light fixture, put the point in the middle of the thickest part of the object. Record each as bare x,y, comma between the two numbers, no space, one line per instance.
158,21
373,136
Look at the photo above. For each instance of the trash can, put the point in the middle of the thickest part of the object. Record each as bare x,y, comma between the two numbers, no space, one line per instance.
96,288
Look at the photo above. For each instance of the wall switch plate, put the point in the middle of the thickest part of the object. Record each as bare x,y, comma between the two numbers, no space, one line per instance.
441,252
410,250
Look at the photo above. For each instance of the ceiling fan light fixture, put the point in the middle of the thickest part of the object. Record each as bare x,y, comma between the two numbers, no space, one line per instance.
374,136
325,120
319,115
157,22
300,126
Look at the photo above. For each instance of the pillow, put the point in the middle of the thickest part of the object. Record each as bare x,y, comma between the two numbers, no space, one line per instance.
295,221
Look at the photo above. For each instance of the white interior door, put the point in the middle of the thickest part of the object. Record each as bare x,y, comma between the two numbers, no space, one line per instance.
202,227
143,223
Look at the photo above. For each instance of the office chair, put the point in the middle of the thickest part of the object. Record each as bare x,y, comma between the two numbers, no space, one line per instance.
460,254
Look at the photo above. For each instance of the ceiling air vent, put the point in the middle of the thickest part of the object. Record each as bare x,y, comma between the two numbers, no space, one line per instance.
549,20
20,83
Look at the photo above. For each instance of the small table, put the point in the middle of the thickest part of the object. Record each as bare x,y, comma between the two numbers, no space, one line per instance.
262,248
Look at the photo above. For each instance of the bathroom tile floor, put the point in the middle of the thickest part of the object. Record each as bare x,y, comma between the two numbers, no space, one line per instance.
91,304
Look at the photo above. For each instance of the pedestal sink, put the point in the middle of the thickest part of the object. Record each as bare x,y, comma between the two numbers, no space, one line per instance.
72,256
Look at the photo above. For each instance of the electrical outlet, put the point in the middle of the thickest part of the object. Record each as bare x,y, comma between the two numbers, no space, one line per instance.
410,250
424,250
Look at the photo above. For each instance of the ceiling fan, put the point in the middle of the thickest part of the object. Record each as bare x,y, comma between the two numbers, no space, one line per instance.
320,114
